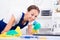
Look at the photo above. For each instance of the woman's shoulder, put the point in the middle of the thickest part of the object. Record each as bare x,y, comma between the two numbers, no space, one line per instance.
17,16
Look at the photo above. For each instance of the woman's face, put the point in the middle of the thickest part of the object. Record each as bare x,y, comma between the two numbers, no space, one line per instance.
32,15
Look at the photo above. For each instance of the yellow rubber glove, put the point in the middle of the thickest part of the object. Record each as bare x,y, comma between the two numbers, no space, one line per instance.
18,30
34,31
3,35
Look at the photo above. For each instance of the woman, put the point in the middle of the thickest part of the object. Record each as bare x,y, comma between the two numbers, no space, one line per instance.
21,20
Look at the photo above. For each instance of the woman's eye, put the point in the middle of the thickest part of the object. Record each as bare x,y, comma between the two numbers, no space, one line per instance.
35,16
32,14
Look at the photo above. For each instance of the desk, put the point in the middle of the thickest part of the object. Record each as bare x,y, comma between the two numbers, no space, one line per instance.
40,37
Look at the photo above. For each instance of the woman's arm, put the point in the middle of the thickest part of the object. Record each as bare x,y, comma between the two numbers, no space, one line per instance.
29,29
9,25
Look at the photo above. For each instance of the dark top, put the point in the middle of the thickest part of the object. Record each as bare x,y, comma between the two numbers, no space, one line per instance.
3,24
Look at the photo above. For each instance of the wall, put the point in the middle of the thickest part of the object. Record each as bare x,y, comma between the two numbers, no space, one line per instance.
46,21
8,6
